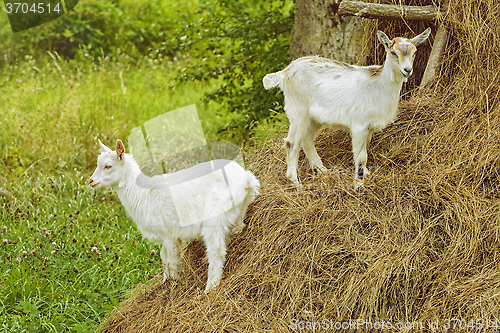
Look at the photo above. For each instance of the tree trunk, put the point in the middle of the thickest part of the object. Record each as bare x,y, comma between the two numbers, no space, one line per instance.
319,30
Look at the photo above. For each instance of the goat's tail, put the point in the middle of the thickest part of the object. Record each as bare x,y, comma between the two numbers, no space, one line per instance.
253,187
274,79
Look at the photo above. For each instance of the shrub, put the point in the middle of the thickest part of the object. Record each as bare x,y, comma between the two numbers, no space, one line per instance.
238,42
95,25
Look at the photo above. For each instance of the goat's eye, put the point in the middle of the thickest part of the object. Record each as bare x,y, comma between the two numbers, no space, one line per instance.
393,53
107,167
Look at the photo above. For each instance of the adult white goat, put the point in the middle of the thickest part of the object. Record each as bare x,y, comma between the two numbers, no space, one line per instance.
360,100
207,201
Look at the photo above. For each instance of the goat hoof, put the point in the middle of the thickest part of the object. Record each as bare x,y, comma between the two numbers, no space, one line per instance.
168,277
210,286
359,185
320,168
237,229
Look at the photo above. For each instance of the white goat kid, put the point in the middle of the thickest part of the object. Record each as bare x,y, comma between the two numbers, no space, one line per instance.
360,100
207,201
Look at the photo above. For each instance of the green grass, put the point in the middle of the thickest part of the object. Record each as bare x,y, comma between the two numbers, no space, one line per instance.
52,113
51,278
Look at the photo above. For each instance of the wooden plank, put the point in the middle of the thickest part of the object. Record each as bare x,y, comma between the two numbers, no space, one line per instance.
389,12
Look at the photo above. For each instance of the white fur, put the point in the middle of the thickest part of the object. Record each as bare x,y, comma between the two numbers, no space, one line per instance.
321,92
156,213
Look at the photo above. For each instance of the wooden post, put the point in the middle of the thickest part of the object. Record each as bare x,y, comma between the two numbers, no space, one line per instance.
436,53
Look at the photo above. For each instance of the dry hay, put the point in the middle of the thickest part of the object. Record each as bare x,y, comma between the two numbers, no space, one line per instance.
420,243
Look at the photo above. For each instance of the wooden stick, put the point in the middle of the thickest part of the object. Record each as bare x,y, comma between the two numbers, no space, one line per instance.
389,12
437,51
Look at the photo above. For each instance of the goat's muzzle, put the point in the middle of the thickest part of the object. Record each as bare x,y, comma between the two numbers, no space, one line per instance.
92,184
407,72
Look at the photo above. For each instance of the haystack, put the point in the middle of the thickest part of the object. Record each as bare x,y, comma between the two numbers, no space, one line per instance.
421,243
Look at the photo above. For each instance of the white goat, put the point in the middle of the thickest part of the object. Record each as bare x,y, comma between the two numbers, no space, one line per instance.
360,100
207,201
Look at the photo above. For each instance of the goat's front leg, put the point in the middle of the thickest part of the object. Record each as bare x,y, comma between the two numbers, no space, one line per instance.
170,257
239,225
360,140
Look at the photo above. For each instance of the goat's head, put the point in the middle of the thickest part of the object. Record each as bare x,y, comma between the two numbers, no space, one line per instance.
400,51
110,167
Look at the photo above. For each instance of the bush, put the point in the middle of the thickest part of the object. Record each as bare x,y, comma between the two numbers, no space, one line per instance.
95,25
238,42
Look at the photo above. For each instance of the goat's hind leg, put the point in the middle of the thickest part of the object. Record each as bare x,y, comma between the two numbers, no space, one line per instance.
215,241
368,139
170,256
310,150
292,147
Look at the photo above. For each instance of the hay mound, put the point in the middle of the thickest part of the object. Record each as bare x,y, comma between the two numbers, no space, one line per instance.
420,244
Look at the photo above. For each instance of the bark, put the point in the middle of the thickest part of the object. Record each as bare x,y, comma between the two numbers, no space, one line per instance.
389,12
319,30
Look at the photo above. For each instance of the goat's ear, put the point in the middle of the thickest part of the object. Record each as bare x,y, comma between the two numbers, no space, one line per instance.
103,149
120,149
384,39
417,40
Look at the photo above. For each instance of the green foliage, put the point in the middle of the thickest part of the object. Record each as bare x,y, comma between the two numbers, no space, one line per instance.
239,42
107,25
54,109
